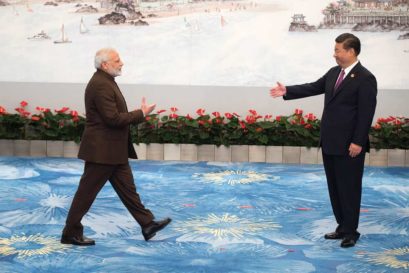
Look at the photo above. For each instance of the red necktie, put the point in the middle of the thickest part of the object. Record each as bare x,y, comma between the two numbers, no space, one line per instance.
340,79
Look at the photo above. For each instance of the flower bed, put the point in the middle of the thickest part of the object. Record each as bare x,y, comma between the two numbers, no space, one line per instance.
62,124
168,126
229,129
390,133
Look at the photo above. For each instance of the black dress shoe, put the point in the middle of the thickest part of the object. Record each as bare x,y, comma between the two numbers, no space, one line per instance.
149,231
334,236
348,242
77,240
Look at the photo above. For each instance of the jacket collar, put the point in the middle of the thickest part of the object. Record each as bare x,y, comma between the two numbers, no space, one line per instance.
104,74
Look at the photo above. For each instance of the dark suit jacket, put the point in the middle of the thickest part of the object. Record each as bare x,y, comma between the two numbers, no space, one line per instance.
348,113
106,138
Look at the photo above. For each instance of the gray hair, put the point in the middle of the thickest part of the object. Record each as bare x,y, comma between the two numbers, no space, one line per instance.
103,55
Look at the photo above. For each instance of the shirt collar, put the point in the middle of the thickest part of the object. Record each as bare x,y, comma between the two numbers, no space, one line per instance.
349,68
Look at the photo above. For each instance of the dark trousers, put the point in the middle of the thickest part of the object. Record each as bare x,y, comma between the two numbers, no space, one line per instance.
93,179
344,178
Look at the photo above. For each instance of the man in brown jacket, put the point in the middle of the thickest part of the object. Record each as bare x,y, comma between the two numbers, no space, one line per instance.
105,147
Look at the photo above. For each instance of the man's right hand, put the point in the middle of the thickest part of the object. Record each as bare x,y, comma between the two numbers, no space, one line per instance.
146,109
278,91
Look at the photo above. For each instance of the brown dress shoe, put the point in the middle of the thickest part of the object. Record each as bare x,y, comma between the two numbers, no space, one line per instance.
149,231
77,240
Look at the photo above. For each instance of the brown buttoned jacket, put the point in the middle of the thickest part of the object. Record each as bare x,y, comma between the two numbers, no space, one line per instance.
106,138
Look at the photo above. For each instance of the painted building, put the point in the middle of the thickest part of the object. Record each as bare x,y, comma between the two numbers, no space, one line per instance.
367,11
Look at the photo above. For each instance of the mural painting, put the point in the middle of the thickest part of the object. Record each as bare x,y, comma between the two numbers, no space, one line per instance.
191,42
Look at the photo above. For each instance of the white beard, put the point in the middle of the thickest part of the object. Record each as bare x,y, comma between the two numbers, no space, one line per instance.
114,72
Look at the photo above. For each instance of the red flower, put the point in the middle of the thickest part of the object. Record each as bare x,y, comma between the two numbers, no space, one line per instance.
173,109
173,115
228,115
202,122
19,109
242,125
311,117
390,119
268,116
308,126
35,118
377,126
216,114
298,111
200,112
23,103
62,110
250,119
189,117
386,120
22,112
278,118
74,113
253,112
75,119
2,111
148,118
160,111
42,109
237,115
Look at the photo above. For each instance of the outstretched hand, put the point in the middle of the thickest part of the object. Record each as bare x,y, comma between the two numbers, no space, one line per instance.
146,109
278,91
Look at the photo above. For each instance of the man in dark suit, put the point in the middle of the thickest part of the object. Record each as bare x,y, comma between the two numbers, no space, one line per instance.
350,100
105,147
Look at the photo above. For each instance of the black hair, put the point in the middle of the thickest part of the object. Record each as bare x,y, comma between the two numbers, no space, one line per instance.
349,41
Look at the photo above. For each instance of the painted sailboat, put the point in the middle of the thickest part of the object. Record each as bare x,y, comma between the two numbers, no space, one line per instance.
64,38
83,28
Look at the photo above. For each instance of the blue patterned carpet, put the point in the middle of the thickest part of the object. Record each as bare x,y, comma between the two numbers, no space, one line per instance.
227,217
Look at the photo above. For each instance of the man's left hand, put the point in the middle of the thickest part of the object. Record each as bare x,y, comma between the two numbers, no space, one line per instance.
354,150
146,109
